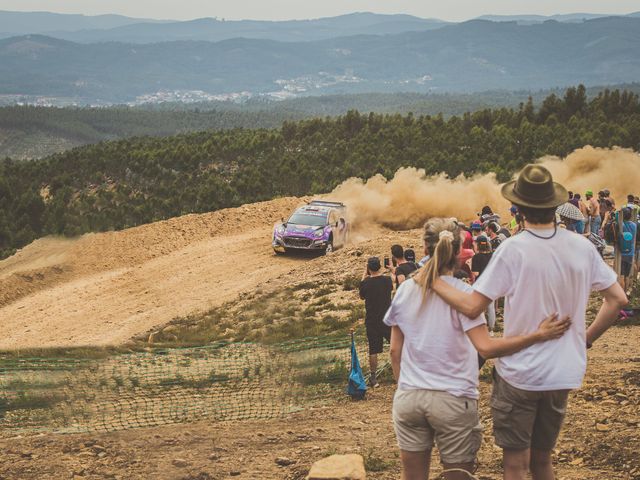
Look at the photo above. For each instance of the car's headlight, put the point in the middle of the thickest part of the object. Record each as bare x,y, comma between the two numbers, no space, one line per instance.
280,230
318,233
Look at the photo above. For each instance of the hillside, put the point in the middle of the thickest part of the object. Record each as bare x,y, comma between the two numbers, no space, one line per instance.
214,276
472,56
28,132
105,289
115,185
35,132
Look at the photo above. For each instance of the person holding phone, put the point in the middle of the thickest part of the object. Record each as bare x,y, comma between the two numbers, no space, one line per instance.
375,290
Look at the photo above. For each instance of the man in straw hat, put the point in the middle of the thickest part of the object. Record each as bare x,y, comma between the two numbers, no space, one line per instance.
543,270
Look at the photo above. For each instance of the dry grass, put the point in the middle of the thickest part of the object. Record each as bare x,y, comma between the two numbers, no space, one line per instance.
291,312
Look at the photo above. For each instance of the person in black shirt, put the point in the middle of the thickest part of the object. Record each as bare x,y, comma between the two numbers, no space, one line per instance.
479,263
402,268
481,259
495,236
375,290
410,256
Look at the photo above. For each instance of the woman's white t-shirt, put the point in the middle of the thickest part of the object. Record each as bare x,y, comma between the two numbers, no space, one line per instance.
437,354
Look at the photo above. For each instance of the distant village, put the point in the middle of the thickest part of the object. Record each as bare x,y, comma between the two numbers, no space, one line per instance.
313,84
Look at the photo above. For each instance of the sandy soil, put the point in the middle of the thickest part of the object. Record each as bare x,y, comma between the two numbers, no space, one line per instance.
599,441
102,289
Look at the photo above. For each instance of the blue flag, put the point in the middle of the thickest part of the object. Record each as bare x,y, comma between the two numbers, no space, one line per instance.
357,386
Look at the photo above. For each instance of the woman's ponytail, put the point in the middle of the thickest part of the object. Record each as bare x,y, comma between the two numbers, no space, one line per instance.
442,240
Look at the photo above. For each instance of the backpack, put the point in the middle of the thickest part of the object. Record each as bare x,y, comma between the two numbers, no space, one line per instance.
610,231
626,241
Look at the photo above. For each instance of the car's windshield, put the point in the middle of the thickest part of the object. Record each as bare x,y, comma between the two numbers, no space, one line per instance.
317,220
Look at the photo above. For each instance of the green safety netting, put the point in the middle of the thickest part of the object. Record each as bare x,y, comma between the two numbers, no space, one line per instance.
218,382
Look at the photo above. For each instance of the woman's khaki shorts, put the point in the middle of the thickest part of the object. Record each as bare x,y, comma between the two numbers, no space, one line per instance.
421,417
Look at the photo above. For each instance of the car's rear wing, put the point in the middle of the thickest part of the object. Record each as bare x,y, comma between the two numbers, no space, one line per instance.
323,203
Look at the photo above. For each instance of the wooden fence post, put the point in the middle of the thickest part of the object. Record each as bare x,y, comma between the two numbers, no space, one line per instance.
617,262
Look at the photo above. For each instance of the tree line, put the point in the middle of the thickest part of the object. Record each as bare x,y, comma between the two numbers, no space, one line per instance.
29,132
118,184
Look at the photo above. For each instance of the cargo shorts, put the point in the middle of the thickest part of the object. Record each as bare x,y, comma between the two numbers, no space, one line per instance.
422,417
525,419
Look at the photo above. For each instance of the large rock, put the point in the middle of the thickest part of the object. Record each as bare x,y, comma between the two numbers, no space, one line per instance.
338,467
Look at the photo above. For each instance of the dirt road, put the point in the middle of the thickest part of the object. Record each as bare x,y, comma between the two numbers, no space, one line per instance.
103,289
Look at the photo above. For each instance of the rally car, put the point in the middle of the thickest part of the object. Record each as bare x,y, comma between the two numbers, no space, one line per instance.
317,226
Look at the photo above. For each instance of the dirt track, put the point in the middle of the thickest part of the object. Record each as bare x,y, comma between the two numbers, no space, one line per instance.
102,289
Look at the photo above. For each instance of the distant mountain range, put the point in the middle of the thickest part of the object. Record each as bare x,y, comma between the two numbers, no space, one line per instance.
471,56
113,28
566,18
22,23
116,28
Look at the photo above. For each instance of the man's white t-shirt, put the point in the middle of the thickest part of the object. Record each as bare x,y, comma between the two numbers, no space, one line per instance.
437,354
539,277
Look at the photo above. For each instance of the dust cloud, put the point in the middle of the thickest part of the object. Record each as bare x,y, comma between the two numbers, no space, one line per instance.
411,197
588,168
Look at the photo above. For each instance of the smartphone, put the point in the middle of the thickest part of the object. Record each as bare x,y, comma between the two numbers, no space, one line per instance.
386,262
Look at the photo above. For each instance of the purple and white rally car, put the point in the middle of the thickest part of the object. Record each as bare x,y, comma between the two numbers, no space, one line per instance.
319,225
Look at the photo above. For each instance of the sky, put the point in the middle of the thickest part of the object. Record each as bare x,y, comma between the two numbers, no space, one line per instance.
452,10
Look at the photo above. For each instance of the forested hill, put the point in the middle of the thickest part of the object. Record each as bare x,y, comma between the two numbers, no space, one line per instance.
114,185
28,132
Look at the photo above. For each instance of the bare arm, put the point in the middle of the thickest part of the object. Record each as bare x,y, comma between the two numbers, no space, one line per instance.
400,278
392,271
395,350
489,347
361,290
471,305
614,300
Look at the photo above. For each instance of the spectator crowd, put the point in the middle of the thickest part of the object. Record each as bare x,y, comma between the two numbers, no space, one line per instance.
439,316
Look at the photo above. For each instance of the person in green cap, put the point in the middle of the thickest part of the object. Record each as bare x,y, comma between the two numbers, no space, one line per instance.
543,270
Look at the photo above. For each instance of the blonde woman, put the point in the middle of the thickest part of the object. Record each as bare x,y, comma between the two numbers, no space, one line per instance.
436,365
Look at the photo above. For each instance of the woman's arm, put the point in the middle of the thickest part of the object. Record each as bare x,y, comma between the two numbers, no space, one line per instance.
489,347
395,350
